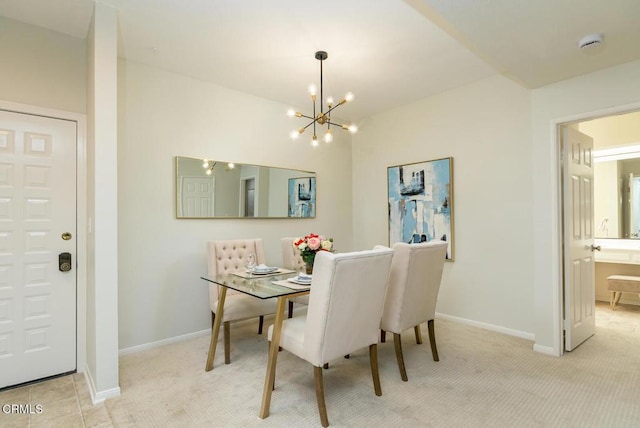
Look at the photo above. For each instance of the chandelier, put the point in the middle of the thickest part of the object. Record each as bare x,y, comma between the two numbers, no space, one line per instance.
323,117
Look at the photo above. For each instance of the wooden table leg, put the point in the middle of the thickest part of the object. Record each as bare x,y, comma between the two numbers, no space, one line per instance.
216,329
273,356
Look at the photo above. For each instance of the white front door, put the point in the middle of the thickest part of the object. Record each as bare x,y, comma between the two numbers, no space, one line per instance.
579,288
37,223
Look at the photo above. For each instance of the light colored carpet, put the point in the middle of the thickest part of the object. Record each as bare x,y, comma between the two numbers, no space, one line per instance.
483,379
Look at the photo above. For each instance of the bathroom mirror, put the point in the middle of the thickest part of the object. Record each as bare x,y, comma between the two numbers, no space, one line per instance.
207,188
617,193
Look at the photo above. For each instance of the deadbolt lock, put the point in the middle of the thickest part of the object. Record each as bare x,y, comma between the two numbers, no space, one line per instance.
66,236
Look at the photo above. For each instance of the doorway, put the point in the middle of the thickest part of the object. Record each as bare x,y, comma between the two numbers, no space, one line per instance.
248,197
42,282
616,141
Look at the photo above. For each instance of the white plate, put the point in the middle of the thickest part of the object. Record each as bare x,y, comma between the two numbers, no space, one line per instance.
264,270
295,280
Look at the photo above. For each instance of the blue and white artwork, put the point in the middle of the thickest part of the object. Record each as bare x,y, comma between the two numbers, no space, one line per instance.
302,197
421,203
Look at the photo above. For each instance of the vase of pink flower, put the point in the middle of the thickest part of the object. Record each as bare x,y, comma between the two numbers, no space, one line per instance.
310,245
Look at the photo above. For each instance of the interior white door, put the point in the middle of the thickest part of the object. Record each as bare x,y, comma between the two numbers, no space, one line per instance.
579,287
197,197
37,207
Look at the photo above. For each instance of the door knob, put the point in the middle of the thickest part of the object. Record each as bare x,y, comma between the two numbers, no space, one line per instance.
66,236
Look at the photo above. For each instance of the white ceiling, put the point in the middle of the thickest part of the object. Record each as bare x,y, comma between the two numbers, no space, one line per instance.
388,52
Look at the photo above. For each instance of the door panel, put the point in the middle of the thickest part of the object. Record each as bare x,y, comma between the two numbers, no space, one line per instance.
579,288
37,205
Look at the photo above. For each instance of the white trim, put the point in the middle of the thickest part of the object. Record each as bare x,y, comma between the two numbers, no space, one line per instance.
545,350
81,215
556,214
486,326
98,397
163,342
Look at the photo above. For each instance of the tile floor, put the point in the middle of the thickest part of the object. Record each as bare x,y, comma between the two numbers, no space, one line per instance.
66,402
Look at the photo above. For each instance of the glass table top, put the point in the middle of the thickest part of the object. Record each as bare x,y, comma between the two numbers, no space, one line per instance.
260,286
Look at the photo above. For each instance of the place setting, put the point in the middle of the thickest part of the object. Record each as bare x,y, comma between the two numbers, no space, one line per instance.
302,281
252,270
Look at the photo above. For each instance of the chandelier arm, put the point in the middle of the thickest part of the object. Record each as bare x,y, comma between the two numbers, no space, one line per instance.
333,108
338,125
309,124
308,117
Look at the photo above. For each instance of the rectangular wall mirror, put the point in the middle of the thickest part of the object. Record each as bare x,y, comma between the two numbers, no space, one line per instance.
617,193
208,188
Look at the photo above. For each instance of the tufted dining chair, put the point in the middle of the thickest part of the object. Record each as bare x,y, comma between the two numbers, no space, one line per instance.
291,259
345,306
414,282
228,257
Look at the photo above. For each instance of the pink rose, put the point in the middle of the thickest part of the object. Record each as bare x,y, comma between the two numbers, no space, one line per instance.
314,243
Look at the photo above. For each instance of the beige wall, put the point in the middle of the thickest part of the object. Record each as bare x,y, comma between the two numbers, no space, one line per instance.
613,131
485,127
102,205
41,67
161,258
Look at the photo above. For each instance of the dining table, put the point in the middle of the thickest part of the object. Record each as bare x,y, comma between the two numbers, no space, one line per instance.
274,285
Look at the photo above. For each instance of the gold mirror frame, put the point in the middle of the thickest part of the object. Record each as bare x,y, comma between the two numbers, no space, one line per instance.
207,189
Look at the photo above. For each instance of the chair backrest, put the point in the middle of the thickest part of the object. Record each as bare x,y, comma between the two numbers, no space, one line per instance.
345,303
414,283
291,258
230,256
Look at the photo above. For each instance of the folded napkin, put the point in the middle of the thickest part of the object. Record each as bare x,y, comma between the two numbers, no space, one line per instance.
304,277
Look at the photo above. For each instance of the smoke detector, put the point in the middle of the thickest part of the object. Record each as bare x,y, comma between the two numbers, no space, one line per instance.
591,43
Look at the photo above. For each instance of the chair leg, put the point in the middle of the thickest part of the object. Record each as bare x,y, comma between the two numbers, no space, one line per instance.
260,324
373,359
397,341
322,407
227,342
432,340
290,309
383,336
416,329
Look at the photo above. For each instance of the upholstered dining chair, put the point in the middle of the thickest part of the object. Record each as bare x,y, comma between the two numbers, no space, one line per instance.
414,283
345,306
228,257
291,259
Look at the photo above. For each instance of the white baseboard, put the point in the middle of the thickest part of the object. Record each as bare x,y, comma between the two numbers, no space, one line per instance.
98,397
545,350
486,326
163,342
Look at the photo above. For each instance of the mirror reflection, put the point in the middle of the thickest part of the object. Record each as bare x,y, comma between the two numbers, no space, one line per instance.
617,192
207,188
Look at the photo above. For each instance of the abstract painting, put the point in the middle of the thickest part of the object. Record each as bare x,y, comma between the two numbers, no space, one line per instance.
302,197
421,202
